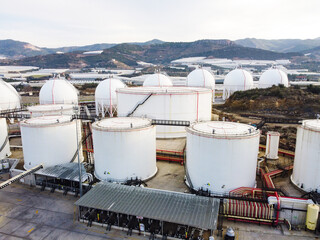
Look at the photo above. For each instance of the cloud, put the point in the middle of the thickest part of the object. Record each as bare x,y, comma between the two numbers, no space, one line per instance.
54,23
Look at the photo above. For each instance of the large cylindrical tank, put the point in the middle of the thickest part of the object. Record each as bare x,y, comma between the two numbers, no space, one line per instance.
306,166
272,145
58,91
50,140
166,103
221,156
106,96
124,148
51,109
4,141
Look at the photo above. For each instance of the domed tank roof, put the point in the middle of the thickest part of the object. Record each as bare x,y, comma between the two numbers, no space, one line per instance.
9,97
58,91
238,79
223,129
272,77
201,78
122,123
105,93
157,80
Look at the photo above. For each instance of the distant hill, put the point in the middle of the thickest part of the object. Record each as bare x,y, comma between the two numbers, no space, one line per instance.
15,49
280,45
129,54
313,52
151,42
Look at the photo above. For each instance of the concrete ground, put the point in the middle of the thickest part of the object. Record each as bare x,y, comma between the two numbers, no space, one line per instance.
176,145
170,176
27,213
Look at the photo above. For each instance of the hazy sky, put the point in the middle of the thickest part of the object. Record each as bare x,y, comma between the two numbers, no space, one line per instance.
55,23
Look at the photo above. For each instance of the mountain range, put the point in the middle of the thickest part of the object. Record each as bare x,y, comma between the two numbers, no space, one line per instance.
127,55
15,49
280,45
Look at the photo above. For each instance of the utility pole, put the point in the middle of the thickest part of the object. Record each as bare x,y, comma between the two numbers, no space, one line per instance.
76,112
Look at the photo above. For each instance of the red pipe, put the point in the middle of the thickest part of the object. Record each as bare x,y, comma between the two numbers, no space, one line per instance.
249,221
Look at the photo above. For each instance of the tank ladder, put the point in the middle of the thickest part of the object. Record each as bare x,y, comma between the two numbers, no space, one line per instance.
139,104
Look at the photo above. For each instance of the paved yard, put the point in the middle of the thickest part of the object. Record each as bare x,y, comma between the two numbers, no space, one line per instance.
28,213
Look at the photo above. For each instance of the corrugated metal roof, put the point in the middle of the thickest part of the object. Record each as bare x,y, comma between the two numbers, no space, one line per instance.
181,208
68,171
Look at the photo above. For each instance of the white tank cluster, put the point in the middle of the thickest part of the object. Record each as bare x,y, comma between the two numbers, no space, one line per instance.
157,80
221,156
306,166
50,140
272,77
106,96
124,148
272,145
58,91
237,80
166,103
9,97
51,109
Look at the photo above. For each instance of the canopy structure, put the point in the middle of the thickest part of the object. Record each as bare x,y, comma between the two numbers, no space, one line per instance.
173,207
68,171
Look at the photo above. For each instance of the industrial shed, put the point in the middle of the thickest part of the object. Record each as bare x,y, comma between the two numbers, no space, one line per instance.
166,207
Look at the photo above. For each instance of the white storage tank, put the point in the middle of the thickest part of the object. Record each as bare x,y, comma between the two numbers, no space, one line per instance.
202,78
106,96
237,80
306,166
272,77
157,80
58,91
51,109
166,103
9,97
272,145
124,148
221,156
4,140
50,140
